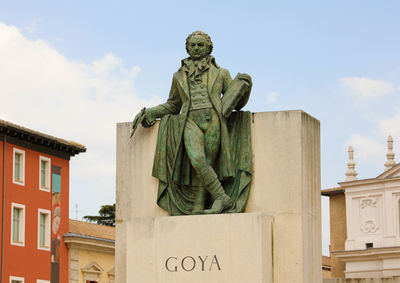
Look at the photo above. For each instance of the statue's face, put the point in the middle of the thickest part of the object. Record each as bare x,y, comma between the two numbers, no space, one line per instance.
197,47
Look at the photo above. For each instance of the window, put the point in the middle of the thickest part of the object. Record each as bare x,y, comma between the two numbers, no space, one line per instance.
18,224
42,281
19,166
91,272
14,279
43,229
44,173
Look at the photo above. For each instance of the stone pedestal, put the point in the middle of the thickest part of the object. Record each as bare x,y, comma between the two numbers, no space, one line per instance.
212,248
285,191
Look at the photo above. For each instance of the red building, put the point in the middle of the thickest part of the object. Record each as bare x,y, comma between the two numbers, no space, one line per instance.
34,211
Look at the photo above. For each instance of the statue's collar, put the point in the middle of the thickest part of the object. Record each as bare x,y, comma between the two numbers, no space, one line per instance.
209,60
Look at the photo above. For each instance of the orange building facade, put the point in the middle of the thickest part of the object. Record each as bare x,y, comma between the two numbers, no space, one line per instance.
34,174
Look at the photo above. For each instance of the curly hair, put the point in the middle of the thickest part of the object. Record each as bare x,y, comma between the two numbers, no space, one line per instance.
205,36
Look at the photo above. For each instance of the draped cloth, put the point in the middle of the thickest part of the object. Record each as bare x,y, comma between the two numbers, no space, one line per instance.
177,190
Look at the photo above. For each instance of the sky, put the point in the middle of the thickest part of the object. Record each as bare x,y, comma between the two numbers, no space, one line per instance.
73,69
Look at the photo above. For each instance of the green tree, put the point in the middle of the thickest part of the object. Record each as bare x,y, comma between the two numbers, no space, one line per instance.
106,215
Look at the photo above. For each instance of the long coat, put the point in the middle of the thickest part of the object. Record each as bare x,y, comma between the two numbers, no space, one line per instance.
179,102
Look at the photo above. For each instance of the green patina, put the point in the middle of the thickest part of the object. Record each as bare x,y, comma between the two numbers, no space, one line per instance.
203,154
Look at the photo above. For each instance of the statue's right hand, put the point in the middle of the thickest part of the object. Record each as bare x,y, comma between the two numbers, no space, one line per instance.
148,120
138,119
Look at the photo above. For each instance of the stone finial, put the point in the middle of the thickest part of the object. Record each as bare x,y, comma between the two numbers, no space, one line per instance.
390,154
351,174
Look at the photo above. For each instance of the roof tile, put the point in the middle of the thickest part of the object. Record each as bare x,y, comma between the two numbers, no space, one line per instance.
91,229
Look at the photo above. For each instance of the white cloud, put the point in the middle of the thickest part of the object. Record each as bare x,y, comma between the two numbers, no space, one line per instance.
272,97
391,126
366,88
107,63
366,149
43,90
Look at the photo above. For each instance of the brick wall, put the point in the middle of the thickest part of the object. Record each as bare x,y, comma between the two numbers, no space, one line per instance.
337,203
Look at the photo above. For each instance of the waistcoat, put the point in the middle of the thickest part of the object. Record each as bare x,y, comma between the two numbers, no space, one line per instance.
199,98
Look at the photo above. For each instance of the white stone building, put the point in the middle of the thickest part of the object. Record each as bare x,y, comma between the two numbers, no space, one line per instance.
372,246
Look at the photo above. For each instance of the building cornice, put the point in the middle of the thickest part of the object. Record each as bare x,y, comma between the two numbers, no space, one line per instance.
368,254
372,181
38,141
332,191
90,243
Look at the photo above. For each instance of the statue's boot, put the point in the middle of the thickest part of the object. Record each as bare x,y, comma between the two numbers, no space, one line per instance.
213,185
221,199
199,203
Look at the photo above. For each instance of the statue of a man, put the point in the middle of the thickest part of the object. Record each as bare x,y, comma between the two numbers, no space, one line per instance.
196,131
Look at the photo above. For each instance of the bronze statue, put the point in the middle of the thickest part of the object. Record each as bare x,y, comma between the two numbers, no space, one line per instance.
203,154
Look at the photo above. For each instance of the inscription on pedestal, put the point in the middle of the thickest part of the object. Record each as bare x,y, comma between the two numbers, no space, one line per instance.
192,263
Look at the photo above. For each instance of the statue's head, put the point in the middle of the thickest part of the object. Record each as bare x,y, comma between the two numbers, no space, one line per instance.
198,45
